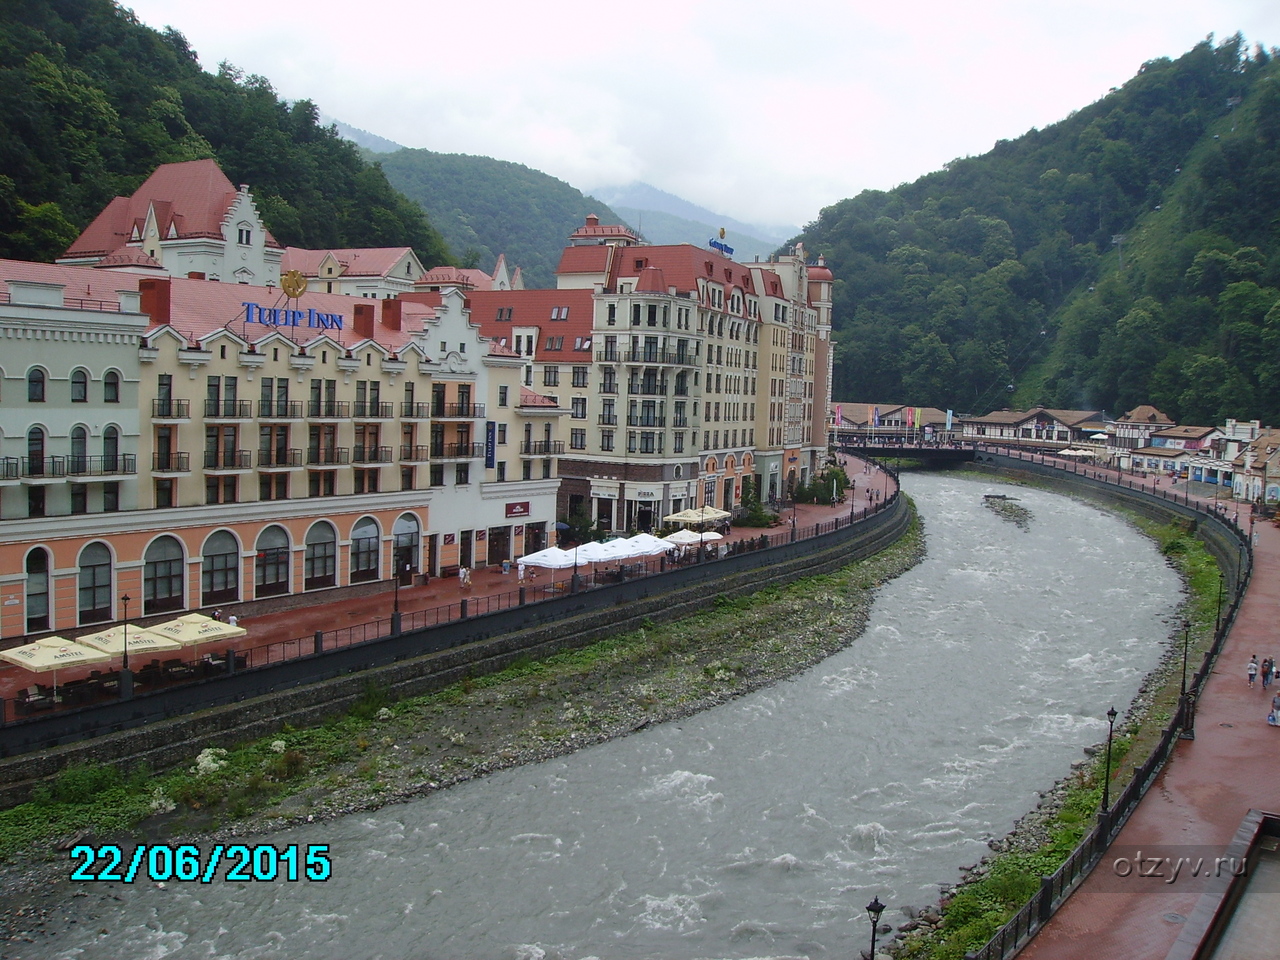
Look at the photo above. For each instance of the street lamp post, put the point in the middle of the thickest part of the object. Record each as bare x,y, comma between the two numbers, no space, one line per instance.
126,675
874,909
1218,616
126,600
1106,783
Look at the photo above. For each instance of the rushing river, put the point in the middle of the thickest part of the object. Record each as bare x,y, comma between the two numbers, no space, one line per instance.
760,828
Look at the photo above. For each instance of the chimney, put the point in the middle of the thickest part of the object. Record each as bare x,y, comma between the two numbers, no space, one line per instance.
593,220
391,314
363,322
155,298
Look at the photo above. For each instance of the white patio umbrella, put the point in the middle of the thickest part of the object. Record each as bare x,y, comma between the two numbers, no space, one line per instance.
193,629
684,537
646,544
52,654
141,641
698,515
552,557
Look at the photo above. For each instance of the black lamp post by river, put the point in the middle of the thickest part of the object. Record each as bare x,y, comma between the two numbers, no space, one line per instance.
874,909
124,626
1106,783
1222,580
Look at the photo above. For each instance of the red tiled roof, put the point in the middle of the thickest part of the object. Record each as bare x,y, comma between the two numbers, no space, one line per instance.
530,399
651,281
128,257
585,259
80,283
456,276
356,261
201,307
593,229
682,265
533,308
193,196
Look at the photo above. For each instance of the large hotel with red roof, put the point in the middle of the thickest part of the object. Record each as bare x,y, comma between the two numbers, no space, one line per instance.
196,416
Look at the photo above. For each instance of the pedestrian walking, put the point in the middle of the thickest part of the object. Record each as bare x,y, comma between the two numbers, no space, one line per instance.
1252,670
1268,671
233,620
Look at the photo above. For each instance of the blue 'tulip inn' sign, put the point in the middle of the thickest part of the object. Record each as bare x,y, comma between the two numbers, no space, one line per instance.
283,317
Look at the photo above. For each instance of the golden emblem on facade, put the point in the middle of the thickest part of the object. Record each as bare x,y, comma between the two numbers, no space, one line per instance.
293,283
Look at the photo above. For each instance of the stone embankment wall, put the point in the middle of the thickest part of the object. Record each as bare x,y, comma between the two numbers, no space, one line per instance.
473,647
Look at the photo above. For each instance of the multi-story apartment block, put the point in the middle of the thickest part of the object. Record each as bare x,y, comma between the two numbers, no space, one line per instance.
683,372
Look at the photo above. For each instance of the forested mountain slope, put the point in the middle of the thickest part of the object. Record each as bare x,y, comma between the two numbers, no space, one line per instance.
1129,253
91,101
487,207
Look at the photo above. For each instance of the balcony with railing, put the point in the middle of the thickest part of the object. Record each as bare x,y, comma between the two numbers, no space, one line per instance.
362,454
10,468
609,386
279,409
608,419
646,421
228,409
673,357
328,409
369,410
120,464
647,388
279,459
457,451
457,411
411,410
170,409
328,456
228,460
541,448
415,453
608,356
173,462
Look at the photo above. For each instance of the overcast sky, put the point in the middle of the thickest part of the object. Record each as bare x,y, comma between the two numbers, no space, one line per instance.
766,112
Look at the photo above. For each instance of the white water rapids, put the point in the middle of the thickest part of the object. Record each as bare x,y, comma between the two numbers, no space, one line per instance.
760,828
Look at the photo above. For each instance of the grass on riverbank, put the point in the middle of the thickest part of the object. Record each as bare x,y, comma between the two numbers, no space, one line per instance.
976,910
382,750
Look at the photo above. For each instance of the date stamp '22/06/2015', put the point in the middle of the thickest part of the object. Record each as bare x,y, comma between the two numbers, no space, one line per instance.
234,863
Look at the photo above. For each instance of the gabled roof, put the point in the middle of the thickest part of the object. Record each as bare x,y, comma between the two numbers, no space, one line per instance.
1145,413
355,261
1185,432
190,198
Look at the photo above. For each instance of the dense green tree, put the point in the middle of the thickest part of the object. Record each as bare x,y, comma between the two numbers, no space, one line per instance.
1007,268
91,101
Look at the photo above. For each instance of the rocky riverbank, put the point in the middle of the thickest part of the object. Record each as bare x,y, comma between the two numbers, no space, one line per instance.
389,752
1035,830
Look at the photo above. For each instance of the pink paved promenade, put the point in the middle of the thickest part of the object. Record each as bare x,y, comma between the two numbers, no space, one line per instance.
271,636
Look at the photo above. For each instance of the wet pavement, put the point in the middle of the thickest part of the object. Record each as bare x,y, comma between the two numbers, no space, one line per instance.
274,636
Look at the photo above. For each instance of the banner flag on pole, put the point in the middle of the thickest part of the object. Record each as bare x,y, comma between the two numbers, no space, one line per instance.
875,416
948,421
